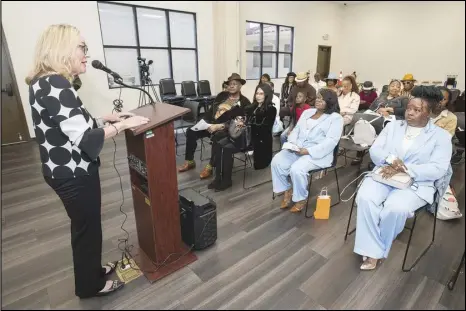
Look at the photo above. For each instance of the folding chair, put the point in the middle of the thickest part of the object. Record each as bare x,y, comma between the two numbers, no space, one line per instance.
411,229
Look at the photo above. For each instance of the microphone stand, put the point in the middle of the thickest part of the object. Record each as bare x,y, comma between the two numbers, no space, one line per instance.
119,81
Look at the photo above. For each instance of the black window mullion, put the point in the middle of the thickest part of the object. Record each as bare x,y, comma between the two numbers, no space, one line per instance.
136,27
169,42
195,46
261,49
277,60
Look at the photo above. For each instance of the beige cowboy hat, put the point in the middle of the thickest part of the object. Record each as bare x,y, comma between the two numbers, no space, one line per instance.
301,77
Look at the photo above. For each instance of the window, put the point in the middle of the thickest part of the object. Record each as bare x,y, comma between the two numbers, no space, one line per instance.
269,49
166,37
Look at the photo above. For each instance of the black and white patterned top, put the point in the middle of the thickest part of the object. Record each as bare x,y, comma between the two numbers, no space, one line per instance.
69,138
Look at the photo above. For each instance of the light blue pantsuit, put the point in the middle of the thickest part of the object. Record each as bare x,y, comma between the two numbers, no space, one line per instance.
383,210
320,139
284,135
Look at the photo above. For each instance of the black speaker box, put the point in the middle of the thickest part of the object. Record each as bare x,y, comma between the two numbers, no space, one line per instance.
198,218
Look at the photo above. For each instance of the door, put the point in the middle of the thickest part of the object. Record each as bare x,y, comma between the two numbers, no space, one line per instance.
323,60
14,127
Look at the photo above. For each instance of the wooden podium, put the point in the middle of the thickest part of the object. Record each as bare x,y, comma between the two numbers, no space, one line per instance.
152,166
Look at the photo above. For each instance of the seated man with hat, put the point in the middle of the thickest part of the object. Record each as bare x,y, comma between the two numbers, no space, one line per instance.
367,95
303,86
408,84
227,106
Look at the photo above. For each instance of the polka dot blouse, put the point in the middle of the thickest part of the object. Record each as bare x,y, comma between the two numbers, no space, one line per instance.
69,138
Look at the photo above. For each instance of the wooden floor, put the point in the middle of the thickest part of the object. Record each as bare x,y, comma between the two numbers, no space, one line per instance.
264,258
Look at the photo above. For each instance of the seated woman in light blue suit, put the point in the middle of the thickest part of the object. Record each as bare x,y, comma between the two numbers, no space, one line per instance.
316,135
415,146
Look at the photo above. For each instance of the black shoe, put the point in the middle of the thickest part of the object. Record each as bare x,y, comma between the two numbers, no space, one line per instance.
356,162
112,265
223,186
115,286
213,184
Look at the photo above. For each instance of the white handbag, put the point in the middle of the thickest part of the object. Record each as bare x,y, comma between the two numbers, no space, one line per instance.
399,180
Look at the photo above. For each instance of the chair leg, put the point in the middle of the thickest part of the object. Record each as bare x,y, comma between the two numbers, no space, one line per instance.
407,269
454,277
349,219
308,196
338,188
246,156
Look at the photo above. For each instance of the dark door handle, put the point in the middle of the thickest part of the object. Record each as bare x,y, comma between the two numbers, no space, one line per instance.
8,89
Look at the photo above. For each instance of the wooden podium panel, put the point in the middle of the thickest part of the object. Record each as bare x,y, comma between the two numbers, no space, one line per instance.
155,193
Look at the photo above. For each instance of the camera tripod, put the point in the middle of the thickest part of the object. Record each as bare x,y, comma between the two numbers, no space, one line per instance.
146,84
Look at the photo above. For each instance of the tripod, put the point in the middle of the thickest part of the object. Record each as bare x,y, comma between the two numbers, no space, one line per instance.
146,84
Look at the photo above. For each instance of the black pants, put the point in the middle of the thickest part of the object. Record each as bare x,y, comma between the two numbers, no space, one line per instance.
224,151
82,197
191,143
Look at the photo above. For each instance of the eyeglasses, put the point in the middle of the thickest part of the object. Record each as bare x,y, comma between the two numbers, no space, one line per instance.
84,48
407,82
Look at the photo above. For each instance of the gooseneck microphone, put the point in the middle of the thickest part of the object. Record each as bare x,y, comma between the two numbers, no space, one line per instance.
98,65
119,80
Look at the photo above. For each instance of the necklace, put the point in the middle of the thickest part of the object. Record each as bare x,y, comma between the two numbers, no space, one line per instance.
411,134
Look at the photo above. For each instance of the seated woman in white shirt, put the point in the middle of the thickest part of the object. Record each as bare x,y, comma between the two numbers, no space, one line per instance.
417,147
314,137
348,99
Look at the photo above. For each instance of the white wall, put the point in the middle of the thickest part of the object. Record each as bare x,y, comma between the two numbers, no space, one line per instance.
311,20
384,40
23,22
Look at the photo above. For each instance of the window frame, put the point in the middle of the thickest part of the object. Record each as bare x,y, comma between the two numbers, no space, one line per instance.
138,46
277,52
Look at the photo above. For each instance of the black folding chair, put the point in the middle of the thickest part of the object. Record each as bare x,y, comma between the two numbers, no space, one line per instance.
411,229
168,92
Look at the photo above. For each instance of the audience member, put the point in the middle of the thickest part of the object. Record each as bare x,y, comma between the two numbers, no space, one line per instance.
448,209
298,109
261,116
416,147
227,105
408,84
318,83
224,87
286,88
440,114
391,103
332,82
348,100
316,135
367,95
302,85
264,78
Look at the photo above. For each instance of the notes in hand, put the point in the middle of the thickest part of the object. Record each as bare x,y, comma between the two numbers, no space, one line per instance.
291,147
201,126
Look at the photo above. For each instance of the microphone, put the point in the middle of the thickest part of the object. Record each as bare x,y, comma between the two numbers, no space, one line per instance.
98,65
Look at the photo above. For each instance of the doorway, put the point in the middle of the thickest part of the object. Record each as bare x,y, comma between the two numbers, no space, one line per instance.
323,60
14,126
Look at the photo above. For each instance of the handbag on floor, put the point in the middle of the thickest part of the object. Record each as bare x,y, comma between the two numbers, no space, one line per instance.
323,205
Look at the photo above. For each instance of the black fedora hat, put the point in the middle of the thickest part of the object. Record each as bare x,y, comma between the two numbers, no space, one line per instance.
237,77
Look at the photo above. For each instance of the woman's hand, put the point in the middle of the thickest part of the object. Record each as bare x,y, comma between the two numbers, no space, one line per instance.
388,172
134,121
399,166
383,112
117,117
303,151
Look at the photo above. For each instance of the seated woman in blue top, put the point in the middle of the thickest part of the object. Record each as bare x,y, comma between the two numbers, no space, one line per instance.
415,146
316,135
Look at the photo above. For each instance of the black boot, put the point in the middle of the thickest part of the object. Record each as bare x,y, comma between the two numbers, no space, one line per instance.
226,165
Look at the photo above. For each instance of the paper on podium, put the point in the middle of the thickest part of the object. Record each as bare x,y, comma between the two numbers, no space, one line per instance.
290,146
201,126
